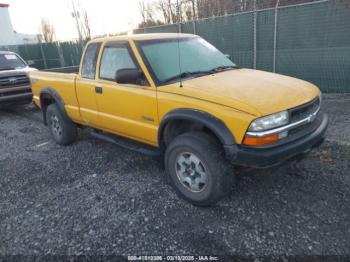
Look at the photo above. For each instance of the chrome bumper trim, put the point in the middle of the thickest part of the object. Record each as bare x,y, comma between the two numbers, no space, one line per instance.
281,129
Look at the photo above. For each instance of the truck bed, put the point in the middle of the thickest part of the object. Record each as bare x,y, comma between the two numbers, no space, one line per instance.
68,69
62,82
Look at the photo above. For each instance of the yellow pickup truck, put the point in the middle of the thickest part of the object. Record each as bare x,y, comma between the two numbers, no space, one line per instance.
177,96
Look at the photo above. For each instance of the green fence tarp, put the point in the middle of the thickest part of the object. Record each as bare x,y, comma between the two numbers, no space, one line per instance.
49,55
312,40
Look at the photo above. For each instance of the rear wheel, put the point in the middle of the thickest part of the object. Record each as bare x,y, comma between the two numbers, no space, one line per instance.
63,131
197,168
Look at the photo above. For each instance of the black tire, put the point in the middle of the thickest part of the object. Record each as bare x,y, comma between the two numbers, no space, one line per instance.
218,172
63,130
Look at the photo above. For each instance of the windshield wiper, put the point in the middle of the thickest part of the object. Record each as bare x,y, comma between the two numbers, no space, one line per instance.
199,73
222,68
6,68
184,75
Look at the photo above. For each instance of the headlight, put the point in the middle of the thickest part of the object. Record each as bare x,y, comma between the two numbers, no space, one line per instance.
269,122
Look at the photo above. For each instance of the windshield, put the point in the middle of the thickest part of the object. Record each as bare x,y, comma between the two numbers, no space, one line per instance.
196,57
10,61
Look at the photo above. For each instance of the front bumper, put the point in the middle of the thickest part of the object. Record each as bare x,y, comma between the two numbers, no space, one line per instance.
16,99
265,157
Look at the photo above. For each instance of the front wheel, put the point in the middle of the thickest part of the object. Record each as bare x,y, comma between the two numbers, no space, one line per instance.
63,131
197,168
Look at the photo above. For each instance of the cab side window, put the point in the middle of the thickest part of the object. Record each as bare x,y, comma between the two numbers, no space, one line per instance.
117,57
88,69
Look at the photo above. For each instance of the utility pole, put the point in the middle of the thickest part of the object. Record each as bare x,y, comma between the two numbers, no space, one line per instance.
178,10
178,5
254,59
76,15
42,53
193,9
194,16
275,36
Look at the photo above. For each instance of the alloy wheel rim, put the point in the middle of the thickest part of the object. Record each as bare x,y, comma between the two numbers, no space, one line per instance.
191,172
55,126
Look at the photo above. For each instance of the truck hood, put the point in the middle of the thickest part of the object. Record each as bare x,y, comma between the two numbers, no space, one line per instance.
252,91
14,72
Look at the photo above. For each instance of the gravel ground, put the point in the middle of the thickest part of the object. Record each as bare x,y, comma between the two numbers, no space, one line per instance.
96,198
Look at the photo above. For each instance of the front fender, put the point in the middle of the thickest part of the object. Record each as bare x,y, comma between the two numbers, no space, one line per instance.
212,123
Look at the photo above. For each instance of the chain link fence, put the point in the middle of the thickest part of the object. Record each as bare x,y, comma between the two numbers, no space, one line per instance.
310,41
49,55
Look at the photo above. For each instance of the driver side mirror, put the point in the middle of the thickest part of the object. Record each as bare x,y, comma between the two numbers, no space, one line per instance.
128,76
30,62
228,56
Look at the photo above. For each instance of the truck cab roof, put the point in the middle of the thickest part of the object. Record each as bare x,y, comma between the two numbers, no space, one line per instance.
6,52
143,37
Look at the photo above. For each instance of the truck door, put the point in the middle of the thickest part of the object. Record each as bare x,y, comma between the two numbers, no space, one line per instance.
85,85
129,110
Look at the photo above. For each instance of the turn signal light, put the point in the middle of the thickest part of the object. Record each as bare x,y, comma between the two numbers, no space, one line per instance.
259,141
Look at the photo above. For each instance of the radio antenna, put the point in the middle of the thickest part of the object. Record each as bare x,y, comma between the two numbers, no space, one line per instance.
178,40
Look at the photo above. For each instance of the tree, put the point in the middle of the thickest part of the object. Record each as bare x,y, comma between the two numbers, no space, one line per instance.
148,12
194,9
86,26
207,8
145,11
47,30
166,10
82,21
150,23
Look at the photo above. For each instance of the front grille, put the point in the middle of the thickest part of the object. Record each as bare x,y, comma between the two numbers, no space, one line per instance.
301,113
14,85
305,110
14,81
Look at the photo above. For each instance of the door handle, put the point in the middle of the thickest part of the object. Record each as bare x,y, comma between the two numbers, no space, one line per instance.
98,89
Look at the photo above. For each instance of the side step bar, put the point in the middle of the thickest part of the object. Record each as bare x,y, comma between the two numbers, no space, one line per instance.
126,143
